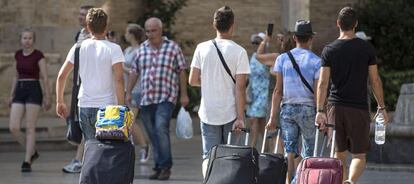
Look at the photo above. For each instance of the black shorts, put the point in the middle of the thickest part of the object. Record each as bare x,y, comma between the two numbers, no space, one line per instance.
352,128
28,92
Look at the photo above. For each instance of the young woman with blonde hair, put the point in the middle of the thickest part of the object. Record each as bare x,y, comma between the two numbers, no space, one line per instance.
27,95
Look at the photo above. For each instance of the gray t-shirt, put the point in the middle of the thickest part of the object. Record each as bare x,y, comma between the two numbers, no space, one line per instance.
130,54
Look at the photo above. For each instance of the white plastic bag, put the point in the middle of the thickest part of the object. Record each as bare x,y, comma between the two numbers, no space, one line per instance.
184,126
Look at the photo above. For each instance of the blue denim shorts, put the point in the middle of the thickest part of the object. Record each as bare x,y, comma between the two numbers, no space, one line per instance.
297,120
136,100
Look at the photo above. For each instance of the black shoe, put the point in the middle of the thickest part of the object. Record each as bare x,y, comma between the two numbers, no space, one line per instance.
26,167
155,175
34,157
165,174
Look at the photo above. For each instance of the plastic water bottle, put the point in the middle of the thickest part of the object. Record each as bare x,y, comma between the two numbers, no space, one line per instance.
379,129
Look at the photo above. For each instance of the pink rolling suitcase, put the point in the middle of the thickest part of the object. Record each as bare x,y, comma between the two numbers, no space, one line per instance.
320,170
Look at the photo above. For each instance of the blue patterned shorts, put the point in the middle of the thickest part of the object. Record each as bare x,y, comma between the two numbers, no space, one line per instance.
296,120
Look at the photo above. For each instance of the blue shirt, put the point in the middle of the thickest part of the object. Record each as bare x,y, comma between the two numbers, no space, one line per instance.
294,91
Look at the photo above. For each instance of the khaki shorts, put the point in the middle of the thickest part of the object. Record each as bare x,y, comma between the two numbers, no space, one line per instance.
352,128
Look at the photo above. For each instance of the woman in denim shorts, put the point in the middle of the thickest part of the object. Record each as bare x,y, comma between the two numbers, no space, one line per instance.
134,35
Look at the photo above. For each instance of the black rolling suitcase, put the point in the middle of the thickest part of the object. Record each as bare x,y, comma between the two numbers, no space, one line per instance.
231,164
272,166
108,162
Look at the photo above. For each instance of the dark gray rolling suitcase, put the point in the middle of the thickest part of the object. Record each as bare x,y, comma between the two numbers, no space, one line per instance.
108,162
231,164
272,166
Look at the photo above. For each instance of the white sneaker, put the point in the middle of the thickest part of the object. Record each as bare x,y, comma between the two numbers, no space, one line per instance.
74,166
144,154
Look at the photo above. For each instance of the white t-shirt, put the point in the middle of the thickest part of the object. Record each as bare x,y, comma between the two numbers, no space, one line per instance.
96,58
218,97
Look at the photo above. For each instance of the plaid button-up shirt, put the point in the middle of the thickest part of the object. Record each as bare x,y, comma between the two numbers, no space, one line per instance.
158,72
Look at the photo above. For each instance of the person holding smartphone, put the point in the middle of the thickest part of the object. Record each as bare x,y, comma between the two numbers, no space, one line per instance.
258,98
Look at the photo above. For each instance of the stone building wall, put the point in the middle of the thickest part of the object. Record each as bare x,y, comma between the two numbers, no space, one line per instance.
55,23
195,21
323,14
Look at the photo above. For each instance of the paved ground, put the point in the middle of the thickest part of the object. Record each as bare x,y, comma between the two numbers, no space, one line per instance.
186,170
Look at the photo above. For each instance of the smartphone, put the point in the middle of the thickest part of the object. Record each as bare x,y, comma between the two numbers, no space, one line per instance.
269,29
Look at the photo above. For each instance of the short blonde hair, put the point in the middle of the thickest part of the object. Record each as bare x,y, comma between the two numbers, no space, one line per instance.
97,20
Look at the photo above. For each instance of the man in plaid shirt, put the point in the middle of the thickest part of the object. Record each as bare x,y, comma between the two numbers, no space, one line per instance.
160,65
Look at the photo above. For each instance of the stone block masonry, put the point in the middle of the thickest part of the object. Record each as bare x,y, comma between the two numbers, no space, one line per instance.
55,23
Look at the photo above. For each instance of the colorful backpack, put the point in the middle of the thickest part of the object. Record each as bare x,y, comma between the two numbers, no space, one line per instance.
113,122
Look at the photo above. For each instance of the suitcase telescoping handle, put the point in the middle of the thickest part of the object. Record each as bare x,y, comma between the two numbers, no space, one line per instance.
315,150
245,130
265,137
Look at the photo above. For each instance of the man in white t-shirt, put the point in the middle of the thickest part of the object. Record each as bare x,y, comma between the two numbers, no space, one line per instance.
222,94
100,68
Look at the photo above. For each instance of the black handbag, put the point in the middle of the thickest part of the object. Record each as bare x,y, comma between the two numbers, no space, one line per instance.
74,132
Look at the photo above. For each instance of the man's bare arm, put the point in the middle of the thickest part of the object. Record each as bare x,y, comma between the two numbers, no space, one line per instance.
321,118
322,89
61,109
119,82
240,100
184,100
194,78
376,85
276,100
